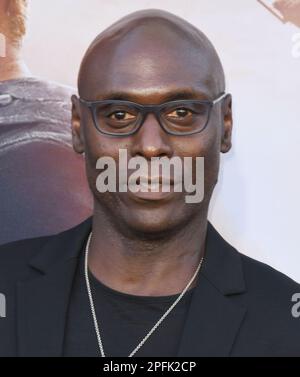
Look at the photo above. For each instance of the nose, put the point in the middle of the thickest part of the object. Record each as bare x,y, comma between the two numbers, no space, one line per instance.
151,140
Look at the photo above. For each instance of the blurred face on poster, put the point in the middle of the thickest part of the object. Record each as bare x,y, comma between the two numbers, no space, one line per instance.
13,20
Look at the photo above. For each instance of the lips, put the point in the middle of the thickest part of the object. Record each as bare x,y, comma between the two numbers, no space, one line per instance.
151,184
155,180
161,188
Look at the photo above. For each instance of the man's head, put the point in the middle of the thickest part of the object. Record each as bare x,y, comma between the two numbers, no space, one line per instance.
151,57
13,20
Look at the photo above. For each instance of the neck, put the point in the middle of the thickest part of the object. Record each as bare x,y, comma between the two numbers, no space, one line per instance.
147,267
12,65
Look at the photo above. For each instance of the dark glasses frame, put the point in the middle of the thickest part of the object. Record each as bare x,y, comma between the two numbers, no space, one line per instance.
147,109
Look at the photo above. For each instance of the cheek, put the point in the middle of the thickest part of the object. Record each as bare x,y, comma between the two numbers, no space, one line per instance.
98,145
211,152
207,145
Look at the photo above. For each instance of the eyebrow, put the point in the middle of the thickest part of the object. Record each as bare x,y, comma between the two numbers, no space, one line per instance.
180,94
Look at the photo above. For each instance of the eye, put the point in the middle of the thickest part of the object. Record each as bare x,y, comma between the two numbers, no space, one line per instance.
180,113
121,115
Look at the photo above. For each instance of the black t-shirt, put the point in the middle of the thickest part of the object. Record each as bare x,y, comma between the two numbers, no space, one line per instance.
123,320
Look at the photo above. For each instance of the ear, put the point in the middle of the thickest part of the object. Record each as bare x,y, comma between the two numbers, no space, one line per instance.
77,134
227,124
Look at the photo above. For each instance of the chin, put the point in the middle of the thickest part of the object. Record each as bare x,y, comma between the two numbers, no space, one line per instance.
151,225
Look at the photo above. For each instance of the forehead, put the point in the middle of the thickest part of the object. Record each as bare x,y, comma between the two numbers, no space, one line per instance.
147,67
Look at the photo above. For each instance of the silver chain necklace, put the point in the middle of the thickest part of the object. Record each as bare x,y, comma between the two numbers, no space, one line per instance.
100,344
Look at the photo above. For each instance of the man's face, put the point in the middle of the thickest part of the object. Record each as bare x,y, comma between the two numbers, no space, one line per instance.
150,70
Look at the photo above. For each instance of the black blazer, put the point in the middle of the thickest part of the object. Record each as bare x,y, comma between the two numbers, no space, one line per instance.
240,307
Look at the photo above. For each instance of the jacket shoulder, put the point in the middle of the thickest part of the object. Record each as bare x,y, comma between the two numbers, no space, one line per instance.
266,278
272,301
22,248
15,255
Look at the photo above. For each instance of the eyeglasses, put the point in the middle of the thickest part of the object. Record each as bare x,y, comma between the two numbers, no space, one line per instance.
124,118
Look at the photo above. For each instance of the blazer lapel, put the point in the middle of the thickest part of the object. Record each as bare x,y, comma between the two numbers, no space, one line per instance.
214,318
42,301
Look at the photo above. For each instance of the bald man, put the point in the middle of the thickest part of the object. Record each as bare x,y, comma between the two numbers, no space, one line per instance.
42,180
147,274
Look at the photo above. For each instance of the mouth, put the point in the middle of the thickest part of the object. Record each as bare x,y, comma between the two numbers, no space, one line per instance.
159,180
152,188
